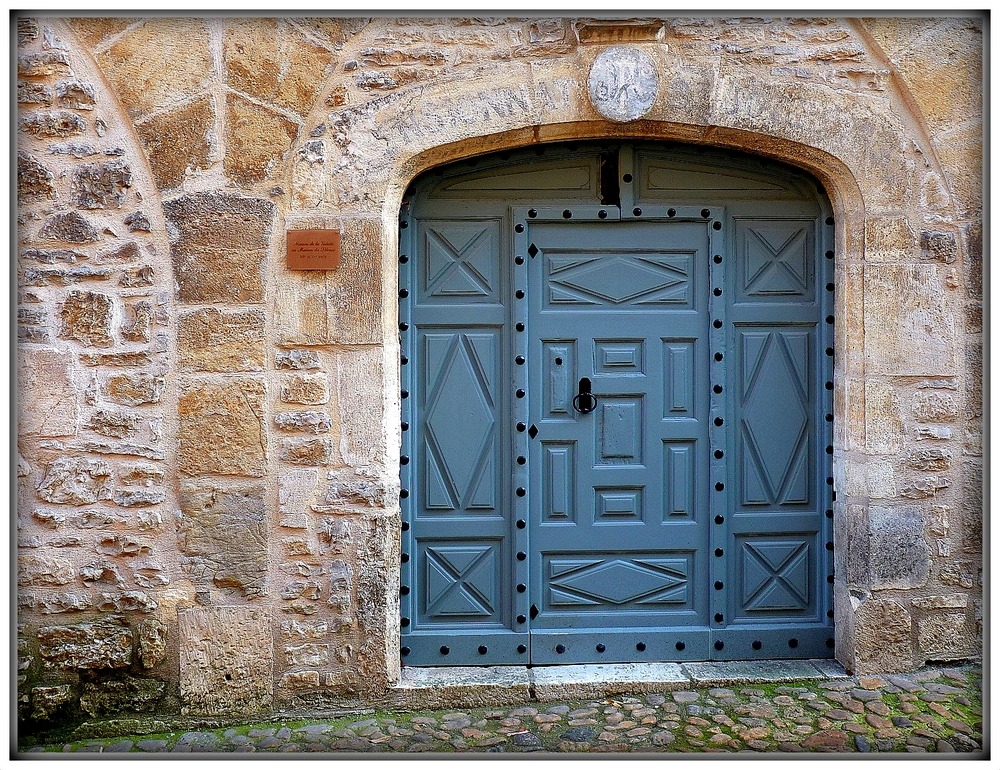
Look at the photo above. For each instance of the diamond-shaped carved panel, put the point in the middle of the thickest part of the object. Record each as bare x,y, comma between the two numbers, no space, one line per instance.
775,417
460,262
775,260
617,582
619,279
460,581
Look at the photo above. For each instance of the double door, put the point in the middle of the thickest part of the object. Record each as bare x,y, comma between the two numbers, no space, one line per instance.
613,436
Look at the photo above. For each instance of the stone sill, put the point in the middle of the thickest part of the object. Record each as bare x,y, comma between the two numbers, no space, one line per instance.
471,687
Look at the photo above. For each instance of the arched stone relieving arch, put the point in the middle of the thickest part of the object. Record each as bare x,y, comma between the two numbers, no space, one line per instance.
855,144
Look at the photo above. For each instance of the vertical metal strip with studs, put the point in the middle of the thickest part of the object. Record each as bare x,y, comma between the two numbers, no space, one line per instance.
720,440
828,336
407,384
520,411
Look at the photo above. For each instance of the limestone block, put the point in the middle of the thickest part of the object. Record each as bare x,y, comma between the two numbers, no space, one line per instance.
44,570
33,93
70,227
224,530
269,60
301,312
47,701
900,556
36,65
939,246
226,660
34,181
948,601
75,481
136,277
47,394
256,141
308,654
86,317
883,637
222,429
94,29
310,389
909,324
934,406
179,142
349,488
310,451
303,422
101,185
972,506
136,63
104,644
137,324
218,244
883,421
946,636
296,359
300,680
296,488
113,423
212,340
129,695
152,642
880,479
49,124
133,389
131,498
360,405
889,239
354,290
76,95
929,459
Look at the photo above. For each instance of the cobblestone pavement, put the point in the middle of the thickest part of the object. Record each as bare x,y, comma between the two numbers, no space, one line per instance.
933,710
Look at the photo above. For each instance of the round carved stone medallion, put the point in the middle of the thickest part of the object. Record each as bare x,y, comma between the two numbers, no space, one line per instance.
623,83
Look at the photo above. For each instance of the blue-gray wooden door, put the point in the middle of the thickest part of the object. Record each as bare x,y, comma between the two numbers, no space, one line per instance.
687,516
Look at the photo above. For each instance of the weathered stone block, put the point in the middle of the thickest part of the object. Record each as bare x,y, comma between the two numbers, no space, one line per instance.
972,506
310,389
94,29
218,246
134,389
138,222
302,310
33,93
899,553
225,530
929,459
211,340
47,701
269,60
949,601
52,123
76,95
137,325
933,406
945,636
47,400
75,481
308,655
43,64
70,227
114,424
179,142
136,63
44,570
296,359
104,644
131,498
101,185
939,247
226,660
86,317
131,359
354,291
883,422
256,140
300,680
889,239
303,422
909,324
351,489
126,695
883,637
152,640
313,451
148,573
222,429
34,181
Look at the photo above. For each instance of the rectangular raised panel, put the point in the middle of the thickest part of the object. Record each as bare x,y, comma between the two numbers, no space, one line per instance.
457,460
460,262
635,582
678,378
678,479
619,431
460,581
618,505
775,411
558,481
558,387
618,357
775,260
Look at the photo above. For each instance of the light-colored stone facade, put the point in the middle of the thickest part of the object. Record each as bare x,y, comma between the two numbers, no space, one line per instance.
207,471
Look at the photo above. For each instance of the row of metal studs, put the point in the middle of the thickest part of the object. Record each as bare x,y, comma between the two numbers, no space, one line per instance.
405,418
828,363
523,434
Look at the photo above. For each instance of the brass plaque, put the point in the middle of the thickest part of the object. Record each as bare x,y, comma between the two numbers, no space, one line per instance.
313,249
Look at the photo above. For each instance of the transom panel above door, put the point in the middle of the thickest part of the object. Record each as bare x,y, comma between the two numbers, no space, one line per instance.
615,366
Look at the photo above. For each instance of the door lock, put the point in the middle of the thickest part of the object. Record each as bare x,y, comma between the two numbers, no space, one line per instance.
584,401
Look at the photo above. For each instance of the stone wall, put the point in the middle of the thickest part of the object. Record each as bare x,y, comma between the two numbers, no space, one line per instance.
208,441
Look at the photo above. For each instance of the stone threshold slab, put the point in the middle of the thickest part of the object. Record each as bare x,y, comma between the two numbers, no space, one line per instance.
469,687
